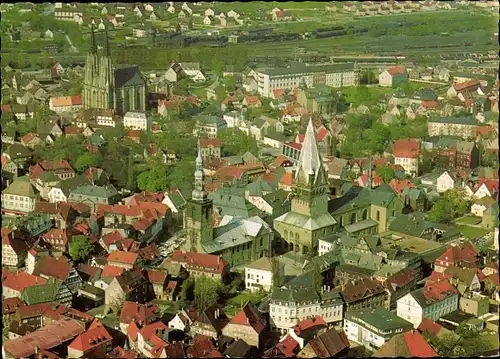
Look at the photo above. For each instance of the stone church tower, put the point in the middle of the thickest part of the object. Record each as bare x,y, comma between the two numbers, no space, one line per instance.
198,214
309,219
98,82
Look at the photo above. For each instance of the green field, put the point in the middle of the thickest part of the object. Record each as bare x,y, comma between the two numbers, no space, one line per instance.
472,232
234,304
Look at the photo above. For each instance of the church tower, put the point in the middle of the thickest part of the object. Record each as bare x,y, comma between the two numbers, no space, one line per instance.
310,184
91,72
98,82
309,219
106,76
198,214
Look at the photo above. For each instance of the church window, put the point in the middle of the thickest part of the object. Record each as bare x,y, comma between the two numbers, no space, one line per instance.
378,215
297,237
286,234
353,218
365,214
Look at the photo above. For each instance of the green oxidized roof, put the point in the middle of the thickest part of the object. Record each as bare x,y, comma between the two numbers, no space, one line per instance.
409,224
20,188
258,188
69,184
362,197
233,203
277,199
455,120
294,295
106,192
44,293
380,318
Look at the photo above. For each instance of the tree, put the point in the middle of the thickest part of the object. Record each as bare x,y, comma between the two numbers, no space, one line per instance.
444,344
230,83
87,160
187,290
206,292
237,142
441,212
368,77
80,248
131,182
386,172
155,179
458,200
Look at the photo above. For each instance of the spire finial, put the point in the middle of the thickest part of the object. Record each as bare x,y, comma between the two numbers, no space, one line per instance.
93,46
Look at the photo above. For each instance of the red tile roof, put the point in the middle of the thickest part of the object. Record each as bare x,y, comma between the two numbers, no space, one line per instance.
47,337
28,137
11,305
111,271
396,70
287,179
56,234
210,142
62,166
430,326
91,339
251,100
362,288
287,346
439,290
209,262
418,346
134,133
407,148
142,314
229,173
111,237
52,267
277,93
429,104
466,85
72,130
156,276
309,323
464,254
122,257
400,279
249,316
399,185
150,329
376,180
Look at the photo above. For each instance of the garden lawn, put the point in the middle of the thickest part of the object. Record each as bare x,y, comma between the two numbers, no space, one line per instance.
472,232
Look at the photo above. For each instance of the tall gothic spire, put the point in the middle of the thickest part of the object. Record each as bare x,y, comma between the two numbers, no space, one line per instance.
309,160
93,45
107,49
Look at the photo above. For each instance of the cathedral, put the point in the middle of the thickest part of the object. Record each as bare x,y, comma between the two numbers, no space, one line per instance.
104,87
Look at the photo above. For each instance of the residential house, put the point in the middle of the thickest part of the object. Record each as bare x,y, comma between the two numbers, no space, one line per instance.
183,320
393,76
464,255
96,337
61,191
465,280
50,267
464,127
475,304
261,273
480,205
409,344
131,286
159,280
62,104
251,102
18,154
210,147
329,344
137,121
372,328
140,314
122,259
190,70
208,126
365,293
58,239
406,153
92,195
14,250
201,264
210,322
432,302
399,284
248,325
445,182
19,197
490,218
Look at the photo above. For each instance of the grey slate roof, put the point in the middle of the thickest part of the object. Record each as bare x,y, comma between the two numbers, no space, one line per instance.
455,120
128,76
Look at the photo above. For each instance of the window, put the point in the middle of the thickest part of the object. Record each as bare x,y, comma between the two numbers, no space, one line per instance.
378,215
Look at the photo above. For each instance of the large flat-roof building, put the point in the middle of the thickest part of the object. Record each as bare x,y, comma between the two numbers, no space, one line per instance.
334,75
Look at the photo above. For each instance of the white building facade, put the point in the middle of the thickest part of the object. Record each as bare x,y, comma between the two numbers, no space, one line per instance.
414,308
137,121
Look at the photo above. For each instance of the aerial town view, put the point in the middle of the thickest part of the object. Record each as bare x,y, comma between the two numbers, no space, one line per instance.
250,179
